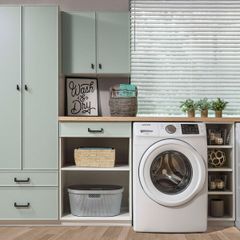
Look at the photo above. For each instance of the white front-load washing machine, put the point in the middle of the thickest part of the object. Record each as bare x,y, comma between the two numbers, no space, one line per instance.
169,177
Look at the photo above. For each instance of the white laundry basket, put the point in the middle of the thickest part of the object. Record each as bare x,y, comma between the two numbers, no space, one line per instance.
95,200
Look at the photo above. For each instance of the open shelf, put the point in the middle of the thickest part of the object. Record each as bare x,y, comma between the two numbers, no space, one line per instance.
116,168
121,146
228,207
76,177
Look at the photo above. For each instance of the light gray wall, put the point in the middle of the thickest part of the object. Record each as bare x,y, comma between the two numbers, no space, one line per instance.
78,5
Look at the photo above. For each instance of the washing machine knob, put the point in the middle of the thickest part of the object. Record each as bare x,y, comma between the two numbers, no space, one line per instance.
170,129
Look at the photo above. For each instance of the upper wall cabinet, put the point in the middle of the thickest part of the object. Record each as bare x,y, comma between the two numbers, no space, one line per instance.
78,42
113,42
29,87
94,43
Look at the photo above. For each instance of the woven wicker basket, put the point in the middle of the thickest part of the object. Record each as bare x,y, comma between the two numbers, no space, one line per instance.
122,106
94,157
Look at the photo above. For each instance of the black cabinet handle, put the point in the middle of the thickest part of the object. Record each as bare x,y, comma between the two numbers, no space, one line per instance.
100,66
95,130
21,180
21,205
18,87
92,65
26,87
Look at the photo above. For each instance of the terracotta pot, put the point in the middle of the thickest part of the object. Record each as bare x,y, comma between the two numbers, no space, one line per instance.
204,113
218,114
191,113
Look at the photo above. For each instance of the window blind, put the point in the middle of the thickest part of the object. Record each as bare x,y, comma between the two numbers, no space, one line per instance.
185,49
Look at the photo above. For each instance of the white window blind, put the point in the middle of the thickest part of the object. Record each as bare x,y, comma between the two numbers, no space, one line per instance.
185,49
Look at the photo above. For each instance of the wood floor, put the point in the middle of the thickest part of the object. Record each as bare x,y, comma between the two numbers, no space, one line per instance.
107,233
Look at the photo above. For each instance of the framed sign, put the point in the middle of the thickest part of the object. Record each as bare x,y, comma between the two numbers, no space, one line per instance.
82,97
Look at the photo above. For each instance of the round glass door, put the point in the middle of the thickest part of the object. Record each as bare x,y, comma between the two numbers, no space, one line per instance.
171,172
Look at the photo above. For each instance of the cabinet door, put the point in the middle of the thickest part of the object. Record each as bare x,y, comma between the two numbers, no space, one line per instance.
78,42
10,96
40,93
113,42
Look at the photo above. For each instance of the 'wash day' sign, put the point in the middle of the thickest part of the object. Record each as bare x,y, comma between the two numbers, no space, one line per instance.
82,97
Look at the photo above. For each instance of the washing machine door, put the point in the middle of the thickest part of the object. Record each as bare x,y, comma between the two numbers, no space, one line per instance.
172,172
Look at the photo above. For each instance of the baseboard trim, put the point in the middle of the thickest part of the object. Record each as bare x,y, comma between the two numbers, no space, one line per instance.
221,223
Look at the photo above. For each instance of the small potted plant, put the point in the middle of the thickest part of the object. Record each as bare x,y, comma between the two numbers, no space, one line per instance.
189,106
218,106
203,105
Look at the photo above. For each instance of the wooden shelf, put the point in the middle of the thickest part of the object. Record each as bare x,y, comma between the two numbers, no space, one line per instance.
220,193
146,119
75,168
220,169
220,146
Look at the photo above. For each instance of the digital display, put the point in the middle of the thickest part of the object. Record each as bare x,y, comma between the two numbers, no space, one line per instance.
190,129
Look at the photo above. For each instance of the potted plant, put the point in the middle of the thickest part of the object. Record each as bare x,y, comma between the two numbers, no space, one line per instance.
189,106
218,106
203,105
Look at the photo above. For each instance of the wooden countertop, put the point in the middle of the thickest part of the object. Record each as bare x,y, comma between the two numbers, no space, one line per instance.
148,119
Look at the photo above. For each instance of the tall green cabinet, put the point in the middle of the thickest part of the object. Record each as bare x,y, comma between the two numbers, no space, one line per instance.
29,112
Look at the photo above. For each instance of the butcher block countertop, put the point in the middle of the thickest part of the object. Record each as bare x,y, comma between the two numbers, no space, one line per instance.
148,119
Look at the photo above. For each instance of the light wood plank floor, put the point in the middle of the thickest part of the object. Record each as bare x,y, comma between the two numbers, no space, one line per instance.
107,233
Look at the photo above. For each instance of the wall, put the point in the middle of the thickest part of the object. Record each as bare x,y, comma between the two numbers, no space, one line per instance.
78,5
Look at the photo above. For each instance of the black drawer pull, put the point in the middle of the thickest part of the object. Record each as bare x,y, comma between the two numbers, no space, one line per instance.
21,180
95,130
92,66
100,66
21,205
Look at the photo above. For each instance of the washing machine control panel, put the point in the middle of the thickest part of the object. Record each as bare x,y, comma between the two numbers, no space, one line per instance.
169,129
190,128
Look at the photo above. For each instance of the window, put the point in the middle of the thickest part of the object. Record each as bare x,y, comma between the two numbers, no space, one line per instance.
185,49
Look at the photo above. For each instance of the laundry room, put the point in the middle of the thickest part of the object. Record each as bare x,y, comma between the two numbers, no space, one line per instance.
125,119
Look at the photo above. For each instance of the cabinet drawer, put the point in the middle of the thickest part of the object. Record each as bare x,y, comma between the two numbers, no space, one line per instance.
29,203
28,179
92,129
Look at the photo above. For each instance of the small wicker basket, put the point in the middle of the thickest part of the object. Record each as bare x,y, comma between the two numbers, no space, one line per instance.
122,106
94,157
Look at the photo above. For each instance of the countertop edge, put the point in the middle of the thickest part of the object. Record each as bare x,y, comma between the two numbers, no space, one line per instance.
148,119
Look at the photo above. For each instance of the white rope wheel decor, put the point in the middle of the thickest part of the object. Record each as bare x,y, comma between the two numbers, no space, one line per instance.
216,158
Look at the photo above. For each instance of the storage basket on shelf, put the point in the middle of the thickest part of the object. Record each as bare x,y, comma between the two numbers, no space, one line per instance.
94,157
123,100
95,200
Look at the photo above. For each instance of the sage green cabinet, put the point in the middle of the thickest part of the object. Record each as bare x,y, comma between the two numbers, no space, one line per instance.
40,93
29,113
29,203
95,43
113,42
10,95
29,87
78,42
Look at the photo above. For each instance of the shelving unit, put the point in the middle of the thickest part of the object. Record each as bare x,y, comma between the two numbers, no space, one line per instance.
115,135
227,170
